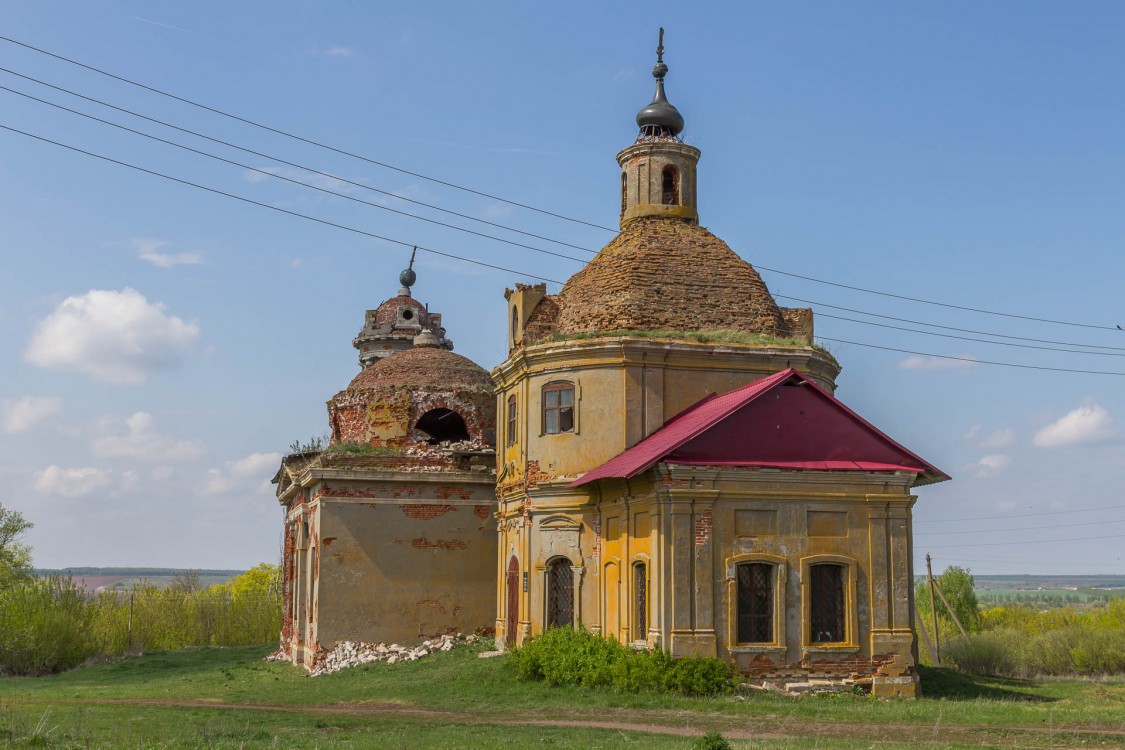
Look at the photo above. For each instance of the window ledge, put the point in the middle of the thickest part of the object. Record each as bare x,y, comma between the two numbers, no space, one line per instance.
766,648
833,648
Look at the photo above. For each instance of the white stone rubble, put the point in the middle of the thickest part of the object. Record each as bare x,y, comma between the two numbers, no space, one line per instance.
353,653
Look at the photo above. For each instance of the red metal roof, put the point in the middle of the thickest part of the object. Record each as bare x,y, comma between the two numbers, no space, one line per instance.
781,421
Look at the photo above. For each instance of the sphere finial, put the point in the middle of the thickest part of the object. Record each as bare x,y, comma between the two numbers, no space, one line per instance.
660,118
408,277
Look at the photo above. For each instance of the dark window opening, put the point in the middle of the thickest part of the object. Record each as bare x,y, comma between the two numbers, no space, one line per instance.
560,594
513,600
826,603
511,420
443,425
755,594
407,314
640,584
670,180
624,192
558,408
515,323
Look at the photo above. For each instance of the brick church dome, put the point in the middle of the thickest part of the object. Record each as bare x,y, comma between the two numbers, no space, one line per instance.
424,367
667,273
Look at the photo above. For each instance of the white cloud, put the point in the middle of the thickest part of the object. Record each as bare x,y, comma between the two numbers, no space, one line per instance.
136,438
316,179
999,439
162,473
1087,424
55,480
339,52
149,250
1006,505
115,337
928,362
28,412
991,466
253,472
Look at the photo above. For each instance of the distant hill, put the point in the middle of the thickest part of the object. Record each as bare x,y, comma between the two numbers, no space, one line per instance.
123,579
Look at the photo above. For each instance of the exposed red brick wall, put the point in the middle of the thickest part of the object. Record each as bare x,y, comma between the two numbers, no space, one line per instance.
426,512
482,511
703,527
423,543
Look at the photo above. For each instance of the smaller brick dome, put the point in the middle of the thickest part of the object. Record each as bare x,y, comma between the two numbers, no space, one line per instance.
424,367
426,394
388,312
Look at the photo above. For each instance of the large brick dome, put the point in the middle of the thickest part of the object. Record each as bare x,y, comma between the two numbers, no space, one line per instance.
667,273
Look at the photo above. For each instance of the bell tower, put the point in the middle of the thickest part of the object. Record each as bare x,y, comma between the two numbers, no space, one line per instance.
658,171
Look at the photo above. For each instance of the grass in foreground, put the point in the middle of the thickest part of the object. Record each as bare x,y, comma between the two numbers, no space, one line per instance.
232,698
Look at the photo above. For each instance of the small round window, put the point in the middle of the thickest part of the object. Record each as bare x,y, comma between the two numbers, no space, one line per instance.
407,314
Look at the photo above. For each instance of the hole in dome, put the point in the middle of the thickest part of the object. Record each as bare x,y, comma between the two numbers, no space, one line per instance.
442,425
407,314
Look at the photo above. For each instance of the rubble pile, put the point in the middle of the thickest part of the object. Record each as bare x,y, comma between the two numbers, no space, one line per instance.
353,653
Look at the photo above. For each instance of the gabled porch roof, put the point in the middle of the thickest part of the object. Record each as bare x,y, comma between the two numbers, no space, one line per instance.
782,421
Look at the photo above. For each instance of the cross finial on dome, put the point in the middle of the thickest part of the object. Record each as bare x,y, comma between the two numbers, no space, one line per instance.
660,118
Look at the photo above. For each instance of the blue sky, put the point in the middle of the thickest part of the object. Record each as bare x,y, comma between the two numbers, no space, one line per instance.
160,347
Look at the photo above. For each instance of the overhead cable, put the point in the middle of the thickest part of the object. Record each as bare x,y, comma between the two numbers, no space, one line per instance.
268,173
971,360
276,208
302,139
277,159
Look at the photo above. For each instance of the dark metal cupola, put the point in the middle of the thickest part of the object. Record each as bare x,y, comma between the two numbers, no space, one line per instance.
660,119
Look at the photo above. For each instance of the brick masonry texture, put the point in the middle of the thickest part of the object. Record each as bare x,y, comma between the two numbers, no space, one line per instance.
703,527
667,273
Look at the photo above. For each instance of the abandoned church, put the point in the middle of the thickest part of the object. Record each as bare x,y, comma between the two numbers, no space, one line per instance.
661,459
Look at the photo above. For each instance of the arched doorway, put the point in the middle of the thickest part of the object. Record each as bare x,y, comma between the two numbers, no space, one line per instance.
560,593
513,601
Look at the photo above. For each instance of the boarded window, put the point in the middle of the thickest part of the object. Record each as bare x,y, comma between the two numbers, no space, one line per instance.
826,603
755,592
560,593
511,420
670,186
558,408
640,616
513,600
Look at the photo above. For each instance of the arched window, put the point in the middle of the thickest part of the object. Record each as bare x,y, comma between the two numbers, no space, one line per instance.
511,435
515,323
826,603
560,593
755,610
624,191
442,425
558,408
670,186
640,589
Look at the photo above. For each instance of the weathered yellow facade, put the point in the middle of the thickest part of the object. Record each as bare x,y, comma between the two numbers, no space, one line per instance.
665,316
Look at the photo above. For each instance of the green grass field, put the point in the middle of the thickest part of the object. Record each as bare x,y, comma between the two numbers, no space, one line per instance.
232,698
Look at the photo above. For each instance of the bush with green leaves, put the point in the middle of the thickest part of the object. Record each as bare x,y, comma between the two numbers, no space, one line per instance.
574,656
711,741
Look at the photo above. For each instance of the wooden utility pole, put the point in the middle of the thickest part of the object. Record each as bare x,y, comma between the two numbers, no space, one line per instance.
933,611
951,612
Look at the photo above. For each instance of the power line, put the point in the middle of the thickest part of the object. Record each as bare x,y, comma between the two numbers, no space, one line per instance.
277,159
967,338
944,327
516,203
1017,528
276,208
1031,541
940,304
302,139
1026,515
286,179
970,359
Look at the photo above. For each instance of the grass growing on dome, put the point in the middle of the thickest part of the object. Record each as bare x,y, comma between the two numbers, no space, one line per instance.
703,336
362,449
